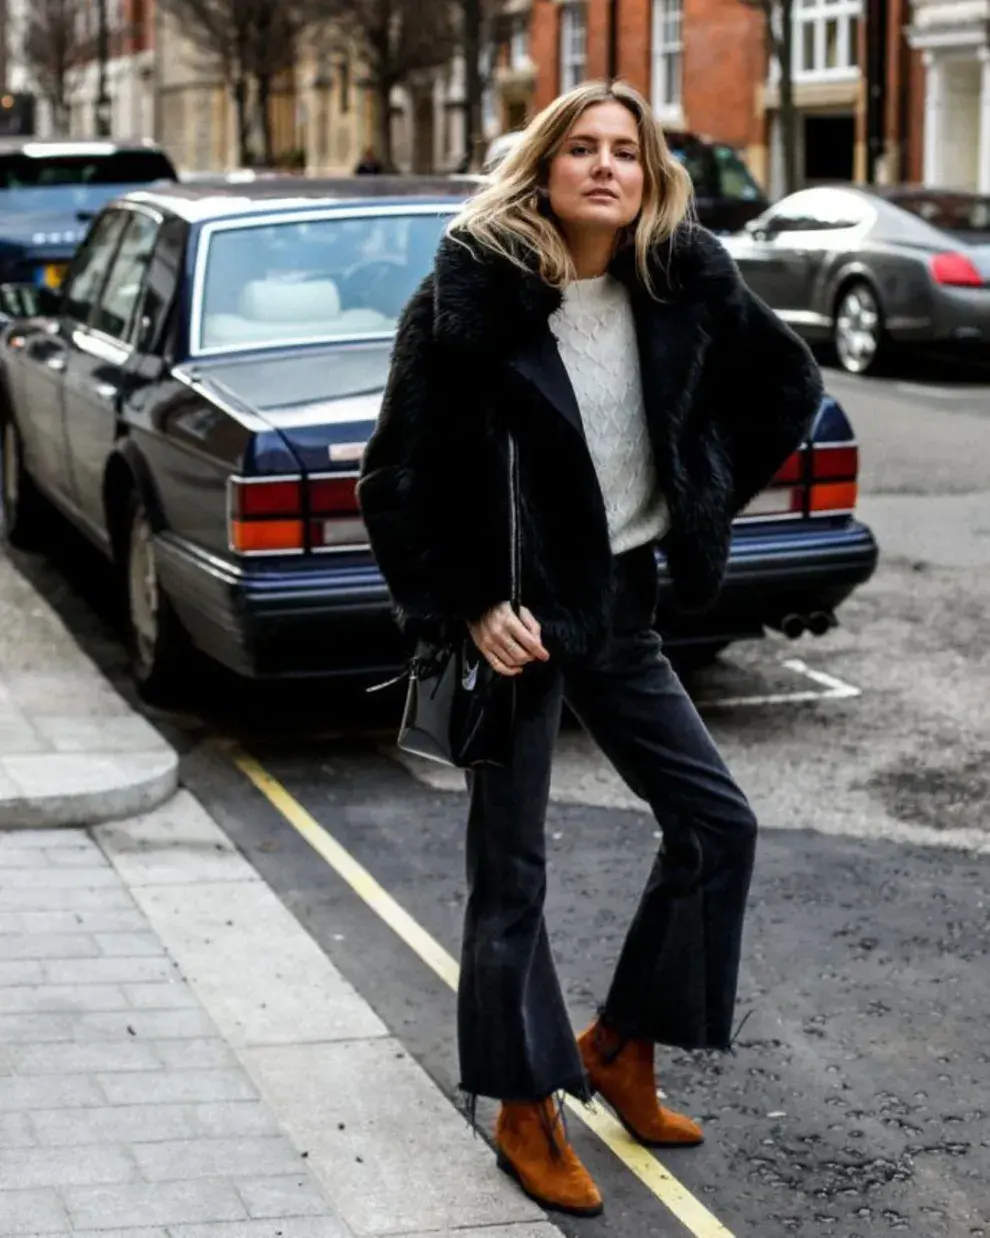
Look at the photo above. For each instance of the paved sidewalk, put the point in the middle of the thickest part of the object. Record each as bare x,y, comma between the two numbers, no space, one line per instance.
179,1059
71,750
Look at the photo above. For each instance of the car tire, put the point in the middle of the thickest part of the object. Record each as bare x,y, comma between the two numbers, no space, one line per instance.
161,652
23,506
857,329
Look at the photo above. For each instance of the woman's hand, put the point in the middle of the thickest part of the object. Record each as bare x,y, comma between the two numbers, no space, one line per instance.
508,641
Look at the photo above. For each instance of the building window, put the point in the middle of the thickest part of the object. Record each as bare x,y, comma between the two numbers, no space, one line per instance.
668,55
573,46
826,38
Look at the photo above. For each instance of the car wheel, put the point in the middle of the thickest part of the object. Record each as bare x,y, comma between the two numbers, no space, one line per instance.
161,653
857,331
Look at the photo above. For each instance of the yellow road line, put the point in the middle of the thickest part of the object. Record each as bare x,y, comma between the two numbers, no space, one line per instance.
637,1159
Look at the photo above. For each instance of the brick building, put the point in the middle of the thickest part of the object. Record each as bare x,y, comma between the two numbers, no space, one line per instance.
704,65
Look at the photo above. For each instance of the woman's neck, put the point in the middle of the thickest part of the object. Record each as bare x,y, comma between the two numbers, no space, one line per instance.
591,252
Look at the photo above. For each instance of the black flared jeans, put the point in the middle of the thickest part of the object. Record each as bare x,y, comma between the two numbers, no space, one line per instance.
676,976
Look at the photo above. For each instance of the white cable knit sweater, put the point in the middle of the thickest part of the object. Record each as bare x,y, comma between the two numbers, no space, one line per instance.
596,337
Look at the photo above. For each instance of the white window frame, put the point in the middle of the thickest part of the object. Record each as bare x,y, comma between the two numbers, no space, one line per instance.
573,45
816,16
667,58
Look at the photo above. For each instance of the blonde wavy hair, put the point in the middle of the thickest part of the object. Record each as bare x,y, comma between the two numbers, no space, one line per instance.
511,215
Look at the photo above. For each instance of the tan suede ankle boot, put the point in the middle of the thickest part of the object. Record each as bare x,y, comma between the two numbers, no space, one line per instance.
622,1071
533,1148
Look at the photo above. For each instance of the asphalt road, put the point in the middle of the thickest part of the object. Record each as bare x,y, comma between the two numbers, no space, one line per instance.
857,1100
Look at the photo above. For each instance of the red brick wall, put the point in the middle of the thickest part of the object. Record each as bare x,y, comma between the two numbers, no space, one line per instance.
635,25
724,66
915,170
597,11
544,33
724,60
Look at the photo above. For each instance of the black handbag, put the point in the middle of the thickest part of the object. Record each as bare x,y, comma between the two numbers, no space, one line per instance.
458,710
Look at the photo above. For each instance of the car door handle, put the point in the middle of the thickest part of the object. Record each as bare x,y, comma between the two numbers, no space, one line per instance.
56,363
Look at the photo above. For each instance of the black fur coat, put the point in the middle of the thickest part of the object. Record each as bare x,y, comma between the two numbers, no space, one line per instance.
729,393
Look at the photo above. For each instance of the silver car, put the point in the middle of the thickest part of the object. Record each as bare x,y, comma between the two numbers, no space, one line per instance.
868,269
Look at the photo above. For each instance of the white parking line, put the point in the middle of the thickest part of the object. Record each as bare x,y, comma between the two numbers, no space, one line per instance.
834,690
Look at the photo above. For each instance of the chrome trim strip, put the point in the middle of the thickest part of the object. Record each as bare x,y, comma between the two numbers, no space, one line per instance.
767,517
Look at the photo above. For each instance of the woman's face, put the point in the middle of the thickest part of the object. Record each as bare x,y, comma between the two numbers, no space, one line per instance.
596,178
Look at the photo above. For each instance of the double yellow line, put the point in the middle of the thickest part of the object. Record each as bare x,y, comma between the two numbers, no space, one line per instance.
672,1193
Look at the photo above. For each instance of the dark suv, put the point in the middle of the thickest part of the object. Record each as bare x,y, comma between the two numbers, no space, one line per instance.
726,194
49,192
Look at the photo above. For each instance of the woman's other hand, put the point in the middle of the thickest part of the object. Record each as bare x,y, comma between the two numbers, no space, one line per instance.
508,641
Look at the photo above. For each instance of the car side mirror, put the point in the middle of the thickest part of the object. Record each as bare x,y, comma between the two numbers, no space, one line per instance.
29,300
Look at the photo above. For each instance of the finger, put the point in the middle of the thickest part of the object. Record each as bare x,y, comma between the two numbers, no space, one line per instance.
501,668
512,652
530,620
518,631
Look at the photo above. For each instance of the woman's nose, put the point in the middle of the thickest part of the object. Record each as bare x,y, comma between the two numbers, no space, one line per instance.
604,164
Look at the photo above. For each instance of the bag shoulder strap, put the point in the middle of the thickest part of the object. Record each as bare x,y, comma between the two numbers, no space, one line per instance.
515,538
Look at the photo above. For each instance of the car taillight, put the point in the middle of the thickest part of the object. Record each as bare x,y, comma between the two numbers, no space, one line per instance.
784,496
273,515
266,515
955,270
334,519
834,470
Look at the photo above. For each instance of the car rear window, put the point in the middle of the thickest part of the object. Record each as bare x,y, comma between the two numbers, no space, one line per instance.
297,279
42,171
961,214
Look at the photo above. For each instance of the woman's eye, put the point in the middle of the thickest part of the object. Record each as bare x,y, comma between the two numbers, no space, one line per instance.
580,149
627,154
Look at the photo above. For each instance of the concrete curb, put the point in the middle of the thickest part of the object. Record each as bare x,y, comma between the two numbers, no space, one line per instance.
72,751
85,789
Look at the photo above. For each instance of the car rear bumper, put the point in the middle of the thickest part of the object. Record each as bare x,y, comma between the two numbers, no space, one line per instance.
958,316
334,616
773,572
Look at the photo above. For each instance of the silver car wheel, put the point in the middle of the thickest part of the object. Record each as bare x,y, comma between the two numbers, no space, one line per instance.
858,329
142,591
11,476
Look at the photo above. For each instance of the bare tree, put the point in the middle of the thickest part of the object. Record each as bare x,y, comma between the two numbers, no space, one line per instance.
472,41
221,31
272,49
51,43
778,25
397,41
249,42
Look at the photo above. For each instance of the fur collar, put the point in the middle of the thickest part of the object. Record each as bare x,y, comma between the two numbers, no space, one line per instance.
484,302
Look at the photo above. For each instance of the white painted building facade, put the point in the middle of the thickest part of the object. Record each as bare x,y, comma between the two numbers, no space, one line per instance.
954,38
130,84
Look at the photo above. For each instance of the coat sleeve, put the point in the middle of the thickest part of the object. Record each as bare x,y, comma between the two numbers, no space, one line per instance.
393,489
771,392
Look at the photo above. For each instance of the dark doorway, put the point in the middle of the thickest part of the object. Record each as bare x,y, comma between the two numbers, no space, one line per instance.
829,143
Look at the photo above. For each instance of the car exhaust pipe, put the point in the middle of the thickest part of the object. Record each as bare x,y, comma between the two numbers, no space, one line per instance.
820,622
793,626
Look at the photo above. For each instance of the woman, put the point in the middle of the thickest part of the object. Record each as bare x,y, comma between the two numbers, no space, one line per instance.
577,322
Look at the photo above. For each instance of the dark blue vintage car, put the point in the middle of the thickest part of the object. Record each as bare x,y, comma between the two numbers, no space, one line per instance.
198,397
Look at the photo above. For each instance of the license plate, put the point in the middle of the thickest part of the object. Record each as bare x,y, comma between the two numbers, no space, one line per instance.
52,274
